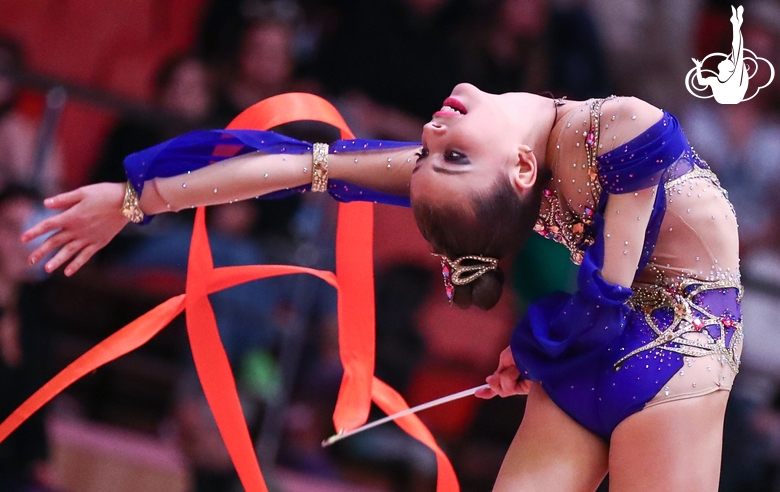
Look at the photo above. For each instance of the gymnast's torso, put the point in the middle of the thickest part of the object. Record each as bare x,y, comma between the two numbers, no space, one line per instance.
676,333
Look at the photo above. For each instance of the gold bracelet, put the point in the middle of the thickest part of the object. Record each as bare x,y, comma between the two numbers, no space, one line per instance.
319,167
130,207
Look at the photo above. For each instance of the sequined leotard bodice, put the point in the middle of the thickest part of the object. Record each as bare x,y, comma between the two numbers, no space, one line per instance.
608,351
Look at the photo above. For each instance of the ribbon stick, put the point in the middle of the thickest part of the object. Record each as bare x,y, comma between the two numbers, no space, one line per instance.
439,401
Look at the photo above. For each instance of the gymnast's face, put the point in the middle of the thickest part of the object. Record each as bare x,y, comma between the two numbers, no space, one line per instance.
467,146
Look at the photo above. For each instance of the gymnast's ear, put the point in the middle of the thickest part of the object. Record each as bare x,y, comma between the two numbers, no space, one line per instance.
524,170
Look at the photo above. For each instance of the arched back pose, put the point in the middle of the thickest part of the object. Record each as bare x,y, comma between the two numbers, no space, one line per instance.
731,84
628,375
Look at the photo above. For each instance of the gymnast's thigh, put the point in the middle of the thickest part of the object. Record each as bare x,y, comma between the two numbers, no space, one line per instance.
551,452
675,445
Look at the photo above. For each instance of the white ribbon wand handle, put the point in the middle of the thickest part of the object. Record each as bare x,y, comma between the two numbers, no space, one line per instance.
342,435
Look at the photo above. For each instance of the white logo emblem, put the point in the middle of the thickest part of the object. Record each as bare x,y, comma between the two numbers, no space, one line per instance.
730,84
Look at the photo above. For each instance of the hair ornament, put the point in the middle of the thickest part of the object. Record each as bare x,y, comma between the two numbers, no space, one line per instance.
455,272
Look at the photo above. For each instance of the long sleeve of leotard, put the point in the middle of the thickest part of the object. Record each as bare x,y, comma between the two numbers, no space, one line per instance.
562,331
219,166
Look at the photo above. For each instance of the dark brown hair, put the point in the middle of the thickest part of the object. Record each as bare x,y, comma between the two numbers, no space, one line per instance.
496,225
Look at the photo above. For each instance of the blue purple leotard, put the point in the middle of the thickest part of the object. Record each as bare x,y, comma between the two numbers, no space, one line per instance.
606,351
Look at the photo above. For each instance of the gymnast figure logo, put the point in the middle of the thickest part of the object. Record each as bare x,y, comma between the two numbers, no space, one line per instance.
730,84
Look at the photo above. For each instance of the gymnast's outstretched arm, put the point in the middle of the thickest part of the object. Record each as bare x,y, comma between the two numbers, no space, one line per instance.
170,179
252,175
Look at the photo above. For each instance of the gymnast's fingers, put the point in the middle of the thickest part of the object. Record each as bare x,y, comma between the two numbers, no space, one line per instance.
52,242
508,381
494,382
503,382
505,359
524,386
63,200
485,393
81,259
64,254
41,228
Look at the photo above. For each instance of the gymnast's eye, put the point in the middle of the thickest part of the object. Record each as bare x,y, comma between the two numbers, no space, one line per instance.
455,157
422,154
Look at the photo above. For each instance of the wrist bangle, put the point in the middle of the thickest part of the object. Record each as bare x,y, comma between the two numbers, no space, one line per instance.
130,207
319,167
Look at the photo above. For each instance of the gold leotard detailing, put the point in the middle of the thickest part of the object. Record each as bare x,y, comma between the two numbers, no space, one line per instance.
686,334
700,170
565,226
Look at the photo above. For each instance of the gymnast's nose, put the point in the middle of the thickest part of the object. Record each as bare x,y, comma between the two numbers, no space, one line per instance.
436,127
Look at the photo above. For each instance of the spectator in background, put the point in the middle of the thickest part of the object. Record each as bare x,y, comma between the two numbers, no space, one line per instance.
264,66
225,20
743,141
533,46
184,96
396,54
18,132
743,147
401,291
24,349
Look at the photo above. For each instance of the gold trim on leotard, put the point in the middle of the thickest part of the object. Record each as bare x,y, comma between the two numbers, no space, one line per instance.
689,318
567,227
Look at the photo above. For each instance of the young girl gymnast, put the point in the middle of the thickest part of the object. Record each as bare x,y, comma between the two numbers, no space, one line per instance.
629,375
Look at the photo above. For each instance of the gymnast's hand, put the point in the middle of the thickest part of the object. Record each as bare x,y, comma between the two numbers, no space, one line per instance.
506,380
88,220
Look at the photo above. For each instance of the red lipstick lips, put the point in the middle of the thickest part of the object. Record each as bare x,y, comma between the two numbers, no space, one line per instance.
455,104
451,107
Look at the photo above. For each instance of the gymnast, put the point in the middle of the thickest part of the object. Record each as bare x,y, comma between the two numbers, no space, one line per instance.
630,374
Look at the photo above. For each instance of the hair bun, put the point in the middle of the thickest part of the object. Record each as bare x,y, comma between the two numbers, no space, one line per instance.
484,292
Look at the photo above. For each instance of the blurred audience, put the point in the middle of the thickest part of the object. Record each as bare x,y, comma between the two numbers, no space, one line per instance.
399,53
263,66
649,46
400,293
18,132
537,46
24,346
409,466
742,144
184,92
199,439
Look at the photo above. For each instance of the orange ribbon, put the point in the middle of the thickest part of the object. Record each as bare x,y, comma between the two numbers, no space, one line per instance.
354,281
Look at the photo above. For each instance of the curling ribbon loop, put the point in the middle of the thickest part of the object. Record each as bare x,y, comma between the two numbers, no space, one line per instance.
354,281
